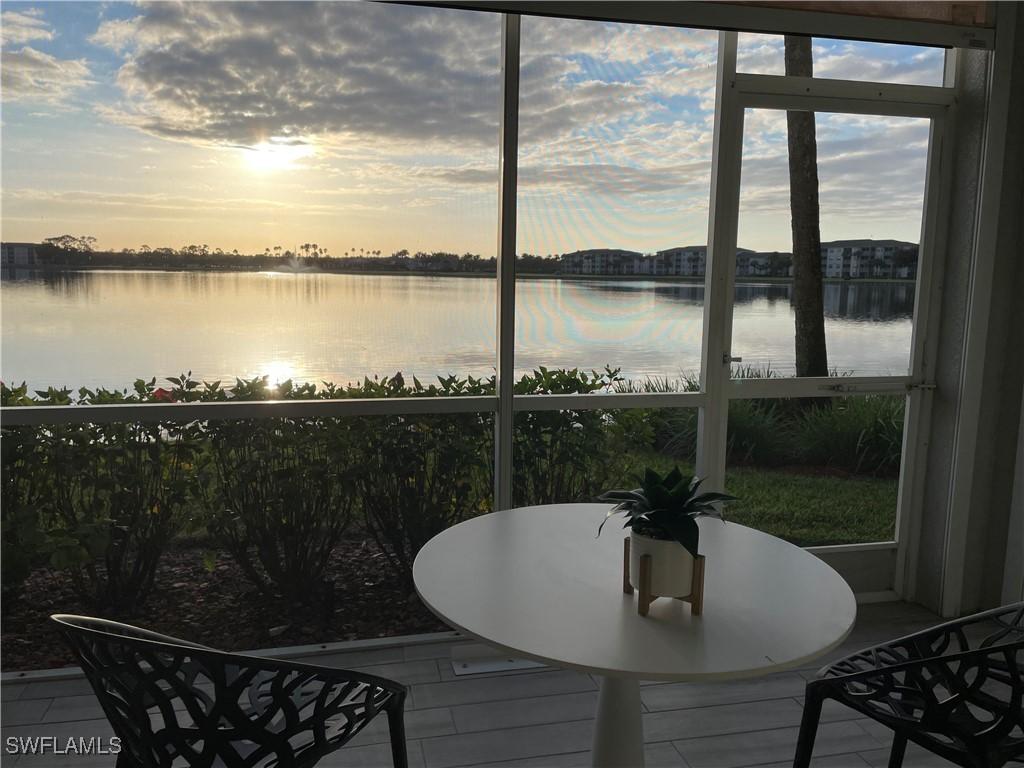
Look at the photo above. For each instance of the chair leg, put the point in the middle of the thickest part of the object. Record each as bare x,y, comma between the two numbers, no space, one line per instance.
808,727
899,747
396,724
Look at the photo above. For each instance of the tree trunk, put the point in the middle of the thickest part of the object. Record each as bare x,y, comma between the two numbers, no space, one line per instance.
811,356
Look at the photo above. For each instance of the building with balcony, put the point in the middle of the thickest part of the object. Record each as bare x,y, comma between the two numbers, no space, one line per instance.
18,255
868,258
601,261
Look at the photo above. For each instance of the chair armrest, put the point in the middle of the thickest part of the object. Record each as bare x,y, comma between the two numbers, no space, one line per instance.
327,675
946,640
846,669
934,641
116,628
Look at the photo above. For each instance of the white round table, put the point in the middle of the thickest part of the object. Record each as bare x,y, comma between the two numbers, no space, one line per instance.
536,583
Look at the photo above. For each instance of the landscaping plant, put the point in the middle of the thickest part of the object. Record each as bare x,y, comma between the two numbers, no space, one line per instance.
420,474
571,454
112,496
856,434
24,545
280,492
102,501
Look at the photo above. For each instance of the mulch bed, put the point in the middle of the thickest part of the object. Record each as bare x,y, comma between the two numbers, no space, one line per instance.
222,609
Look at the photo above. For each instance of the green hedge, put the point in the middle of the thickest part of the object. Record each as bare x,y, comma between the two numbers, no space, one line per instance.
102,501
859,435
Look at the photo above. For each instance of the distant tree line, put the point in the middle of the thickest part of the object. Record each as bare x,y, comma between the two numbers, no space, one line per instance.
79,252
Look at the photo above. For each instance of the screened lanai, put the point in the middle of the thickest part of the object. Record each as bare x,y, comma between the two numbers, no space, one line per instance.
647,149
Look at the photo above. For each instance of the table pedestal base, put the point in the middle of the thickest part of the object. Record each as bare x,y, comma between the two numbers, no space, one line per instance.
618,731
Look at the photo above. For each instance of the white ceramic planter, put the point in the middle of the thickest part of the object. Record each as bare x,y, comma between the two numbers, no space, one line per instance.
671,565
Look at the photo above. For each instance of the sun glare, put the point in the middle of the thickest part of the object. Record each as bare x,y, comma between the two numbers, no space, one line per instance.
267,157
277,371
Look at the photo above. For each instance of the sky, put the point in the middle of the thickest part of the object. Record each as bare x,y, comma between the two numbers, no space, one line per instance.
364,127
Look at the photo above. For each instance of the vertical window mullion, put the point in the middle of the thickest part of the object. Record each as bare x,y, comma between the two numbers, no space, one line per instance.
924,351
506,268
719,275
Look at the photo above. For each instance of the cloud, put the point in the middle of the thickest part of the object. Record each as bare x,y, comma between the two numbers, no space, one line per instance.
115,34
402,105
846,60
586,178
17,27
172,207
870,168
31,75
390,76
244,73
879,62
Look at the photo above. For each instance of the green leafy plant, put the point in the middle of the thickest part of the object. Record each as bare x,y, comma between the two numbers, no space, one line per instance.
666,507
24,544
280,491
563,455
419,474
757,434
863,435
118,493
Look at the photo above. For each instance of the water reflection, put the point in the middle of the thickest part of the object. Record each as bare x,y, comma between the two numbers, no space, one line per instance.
849,301
881,301
107,328
869,301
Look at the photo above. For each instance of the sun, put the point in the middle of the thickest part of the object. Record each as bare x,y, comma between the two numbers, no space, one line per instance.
270,156
277,371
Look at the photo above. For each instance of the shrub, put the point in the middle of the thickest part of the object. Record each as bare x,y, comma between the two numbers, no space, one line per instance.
280,493
858,434
757,434
103,500
572,454
677,435
23,540
115,495
668,426
418,475
880,445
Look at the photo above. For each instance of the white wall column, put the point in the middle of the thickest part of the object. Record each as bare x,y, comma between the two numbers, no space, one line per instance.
973,451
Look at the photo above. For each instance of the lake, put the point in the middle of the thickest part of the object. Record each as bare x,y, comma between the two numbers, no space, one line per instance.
107,328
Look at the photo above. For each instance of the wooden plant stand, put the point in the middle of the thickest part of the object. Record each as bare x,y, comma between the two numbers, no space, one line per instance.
695,598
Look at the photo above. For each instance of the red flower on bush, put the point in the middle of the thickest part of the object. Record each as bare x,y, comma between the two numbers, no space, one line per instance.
163,395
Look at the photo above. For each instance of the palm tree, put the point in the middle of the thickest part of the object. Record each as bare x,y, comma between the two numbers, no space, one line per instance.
808,306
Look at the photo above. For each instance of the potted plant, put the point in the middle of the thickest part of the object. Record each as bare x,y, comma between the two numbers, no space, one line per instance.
662,518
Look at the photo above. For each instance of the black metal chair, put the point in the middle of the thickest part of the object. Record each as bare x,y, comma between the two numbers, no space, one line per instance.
174,703
958,696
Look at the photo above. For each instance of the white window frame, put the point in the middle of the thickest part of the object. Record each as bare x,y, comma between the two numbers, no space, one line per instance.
735,93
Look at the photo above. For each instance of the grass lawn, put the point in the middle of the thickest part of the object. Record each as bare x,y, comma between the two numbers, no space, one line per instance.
812,510
808,509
